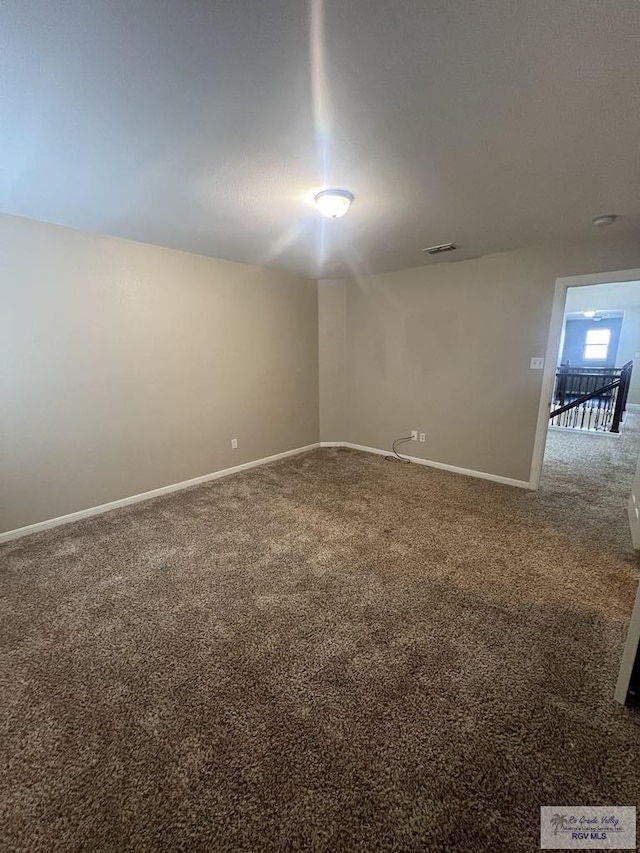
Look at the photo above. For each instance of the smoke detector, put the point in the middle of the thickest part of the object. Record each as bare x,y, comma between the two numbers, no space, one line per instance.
438,250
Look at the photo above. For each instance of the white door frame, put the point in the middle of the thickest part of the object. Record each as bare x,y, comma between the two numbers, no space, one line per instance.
631,646
548,379
553,343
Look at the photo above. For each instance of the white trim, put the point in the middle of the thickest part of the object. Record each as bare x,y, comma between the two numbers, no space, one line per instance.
633,512
145,496
553,344
629,653
467,472
614,277
633,407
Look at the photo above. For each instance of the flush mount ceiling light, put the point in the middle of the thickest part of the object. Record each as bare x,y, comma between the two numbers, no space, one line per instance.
604,219
333,203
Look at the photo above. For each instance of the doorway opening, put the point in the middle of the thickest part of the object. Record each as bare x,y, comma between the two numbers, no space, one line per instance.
594,389
589,385
599,345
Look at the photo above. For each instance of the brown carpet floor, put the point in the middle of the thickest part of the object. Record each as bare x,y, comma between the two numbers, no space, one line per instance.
330,653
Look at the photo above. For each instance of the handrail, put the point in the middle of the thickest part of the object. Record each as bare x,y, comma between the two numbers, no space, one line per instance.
580,400
581,368
614,405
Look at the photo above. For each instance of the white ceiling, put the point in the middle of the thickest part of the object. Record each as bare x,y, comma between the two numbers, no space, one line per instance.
196,124
617,296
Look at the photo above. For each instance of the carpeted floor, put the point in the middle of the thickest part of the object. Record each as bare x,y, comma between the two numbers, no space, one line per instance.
331,653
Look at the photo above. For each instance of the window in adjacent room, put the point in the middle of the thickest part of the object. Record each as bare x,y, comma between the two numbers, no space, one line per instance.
597,344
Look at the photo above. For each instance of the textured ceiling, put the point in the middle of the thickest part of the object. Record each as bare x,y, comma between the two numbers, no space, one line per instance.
207,125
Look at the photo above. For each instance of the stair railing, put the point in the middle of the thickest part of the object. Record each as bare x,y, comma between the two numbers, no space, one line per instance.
601,408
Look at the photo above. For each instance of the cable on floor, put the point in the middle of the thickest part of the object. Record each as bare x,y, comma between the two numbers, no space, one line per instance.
396,456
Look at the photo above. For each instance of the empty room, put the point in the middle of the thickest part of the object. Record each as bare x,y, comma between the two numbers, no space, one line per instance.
318,530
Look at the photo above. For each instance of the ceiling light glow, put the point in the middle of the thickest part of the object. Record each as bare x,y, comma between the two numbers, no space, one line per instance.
333,203
589,314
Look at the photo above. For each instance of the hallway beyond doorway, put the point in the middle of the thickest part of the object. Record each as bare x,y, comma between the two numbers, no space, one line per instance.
586,480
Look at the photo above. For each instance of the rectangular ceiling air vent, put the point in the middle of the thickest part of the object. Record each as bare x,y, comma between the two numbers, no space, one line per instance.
437,250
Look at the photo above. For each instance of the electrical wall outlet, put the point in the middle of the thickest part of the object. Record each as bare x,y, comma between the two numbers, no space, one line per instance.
536,363
234,443
423,437
414,435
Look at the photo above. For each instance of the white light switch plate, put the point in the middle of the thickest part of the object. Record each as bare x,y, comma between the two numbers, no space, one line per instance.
536,363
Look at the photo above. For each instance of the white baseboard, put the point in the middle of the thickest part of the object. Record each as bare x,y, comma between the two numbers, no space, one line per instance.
468,472
145,496
216,475
633,407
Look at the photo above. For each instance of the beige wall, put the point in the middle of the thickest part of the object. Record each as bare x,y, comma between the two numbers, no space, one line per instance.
445,349
127,367
628,347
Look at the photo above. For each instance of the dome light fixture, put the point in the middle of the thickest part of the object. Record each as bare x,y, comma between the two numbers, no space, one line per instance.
333,203
604,219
